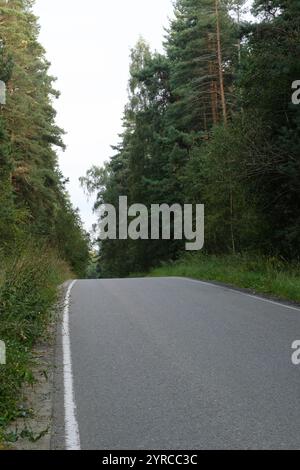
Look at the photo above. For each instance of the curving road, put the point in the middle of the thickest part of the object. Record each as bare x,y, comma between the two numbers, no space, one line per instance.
179,364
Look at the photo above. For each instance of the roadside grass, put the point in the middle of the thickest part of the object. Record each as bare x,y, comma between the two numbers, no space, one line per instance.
269,276
28,292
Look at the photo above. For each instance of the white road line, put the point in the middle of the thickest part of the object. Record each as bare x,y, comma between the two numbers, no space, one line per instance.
253,296
71,424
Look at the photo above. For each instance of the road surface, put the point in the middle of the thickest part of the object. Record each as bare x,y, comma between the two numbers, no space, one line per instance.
178,364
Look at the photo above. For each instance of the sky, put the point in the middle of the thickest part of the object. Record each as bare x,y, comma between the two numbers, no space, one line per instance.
88,44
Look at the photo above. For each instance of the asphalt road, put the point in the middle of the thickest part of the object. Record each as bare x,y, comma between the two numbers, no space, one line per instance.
179,364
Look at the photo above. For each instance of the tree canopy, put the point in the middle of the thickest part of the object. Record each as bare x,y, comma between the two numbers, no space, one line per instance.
212,121
33,198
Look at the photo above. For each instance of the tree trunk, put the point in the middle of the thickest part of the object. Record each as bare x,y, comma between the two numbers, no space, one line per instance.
219,55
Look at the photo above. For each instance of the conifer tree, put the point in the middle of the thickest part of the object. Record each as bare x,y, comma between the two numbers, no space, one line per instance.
32,188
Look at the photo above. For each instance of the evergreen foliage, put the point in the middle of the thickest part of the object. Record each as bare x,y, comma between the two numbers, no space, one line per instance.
212,121
42,241
33,198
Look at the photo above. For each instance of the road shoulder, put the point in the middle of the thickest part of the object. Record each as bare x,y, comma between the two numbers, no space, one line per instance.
35,430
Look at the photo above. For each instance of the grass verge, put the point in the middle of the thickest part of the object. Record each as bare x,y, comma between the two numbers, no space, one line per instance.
263,275
28,291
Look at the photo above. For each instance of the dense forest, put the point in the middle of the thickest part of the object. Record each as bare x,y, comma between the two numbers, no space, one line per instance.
34,202
42,241
211,121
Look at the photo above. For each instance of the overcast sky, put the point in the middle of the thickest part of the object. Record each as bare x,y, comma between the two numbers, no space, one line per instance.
88,43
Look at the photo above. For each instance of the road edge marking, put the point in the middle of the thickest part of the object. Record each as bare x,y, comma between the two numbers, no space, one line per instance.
72,436
237,291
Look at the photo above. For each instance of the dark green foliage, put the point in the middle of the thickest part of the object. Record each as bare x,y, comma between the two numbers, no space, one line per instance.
33,199
42,242
181,145
270,66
